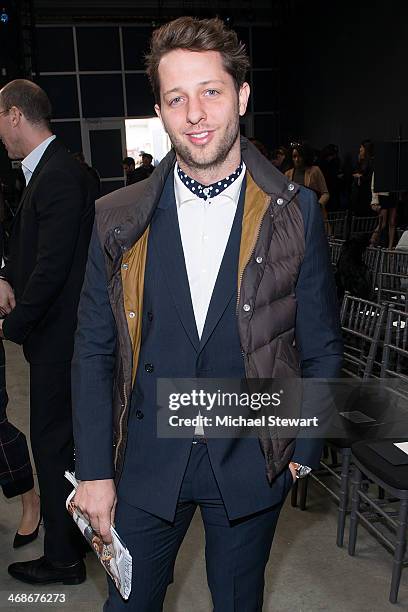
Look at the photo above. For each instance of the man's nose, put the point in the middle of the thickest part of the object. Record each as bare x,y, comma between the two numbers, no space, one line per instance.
195,111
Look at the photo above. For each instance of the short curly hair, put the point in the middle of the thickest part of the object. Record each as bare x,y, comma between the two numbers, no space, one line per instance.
195,34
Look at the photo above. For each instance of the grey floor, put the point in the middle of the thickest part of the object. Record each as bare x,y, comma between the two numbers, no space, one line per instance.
307,572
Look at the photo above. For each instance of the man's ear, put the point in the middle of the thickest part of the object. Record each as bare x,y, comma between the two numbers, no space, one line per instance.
243,97
158,113
15,115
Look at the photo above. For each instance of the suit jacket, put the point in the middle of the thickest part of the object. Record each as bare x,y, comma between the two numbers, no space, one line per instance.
47,256
112,307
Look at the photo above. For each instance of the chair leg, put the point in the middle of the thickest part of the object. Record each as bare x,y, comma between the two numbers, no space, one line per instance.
355,506
303,492
293,497
333,454
399,550
343,501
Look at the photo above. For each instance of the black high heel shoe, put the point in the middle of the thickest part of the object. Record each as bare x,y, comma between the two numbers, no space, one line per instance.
22,540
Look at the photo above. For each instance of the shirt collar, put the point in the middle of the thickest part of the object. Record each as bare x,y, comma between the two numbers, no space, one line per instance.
30,162
184,195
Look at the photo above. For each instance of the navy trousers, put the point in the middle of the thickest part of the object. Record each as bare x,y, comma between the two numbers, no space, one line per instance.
236,551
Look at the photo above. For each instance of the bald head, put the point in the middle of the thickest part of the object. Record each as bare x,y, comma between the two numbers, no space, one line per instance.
29,99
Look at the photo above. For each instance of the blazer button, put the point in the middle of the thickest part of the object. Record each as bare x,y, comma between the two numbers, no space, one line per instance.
246,307
139,414
280,201
291,186
149,367
150,316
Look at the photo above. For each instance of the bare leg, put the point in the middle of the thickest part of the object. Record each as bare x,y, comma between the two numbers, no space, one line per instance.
31,512
382,221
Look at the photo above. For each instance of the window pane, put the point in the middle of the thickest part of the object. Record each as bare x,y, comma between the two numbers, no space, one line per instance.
140,101
267,130
106,152
63,93
70,134
266,90
102,95
135,45
98,48
55,47
265,47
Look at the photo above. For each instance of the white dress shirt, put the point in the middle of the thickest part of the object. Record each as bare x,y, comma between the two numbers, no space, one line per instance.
30,162
205,226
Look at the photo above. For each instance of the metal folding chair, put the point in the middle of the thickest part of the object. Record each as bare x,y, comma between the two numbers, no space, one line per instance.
393,278
362,322
377,515
363,225
395,352
337,223
335,247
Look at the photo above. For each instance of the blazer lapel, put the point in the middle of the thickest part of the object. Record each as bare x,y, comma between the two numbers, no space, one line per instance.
49,151
225,287
166,238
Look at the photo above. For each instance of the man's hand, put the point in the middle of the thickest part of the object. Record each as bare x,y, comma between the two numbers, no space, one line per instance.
97,501
292,466
7,299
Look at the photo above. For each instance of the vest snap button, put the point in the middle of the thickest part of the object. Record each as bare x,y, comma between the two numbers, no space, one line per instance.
246,307
291,186
125,266
259,260
132,314
279,201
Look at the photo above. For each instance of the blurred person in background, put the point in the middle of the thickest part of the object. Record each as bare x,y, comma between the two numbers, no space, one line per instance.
361,183
260,146
385,205
146,167
281,159
16,474
330,165
306,173
92,173
39,293
128,164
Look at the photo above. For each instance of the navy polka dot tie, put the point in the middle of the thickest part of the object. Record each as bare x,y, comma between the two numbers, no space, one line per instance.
208,191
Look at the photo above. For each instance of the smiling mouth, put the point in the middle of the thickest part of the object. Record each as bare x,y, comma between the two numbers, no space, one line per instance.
200,135
200,138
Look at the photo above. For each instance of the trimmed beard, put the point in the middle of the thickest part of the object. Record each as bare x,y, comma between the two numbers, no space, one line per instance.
184,154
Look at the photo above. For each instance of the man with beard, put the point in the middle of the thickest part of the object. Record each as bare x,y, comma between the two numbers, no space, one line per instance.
212,267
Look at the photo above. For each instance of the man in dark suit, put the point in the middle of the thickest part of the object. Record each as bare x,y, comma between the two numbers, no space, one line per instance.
39,292
216,266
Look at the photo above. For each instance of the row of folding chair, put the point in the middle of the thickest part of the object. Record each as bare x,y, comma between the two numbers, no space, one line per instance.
375,345
392,278
341,224
389,272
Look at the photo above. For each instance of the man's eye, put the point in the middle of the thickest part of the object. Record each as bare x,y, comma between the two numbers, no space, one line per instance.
211,92
175,101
